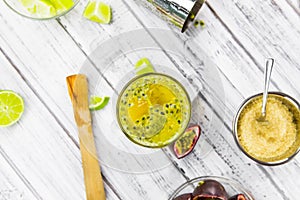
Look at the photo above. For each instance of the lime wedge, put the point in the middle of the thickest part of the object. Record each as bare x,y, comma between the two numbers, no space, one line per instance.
157,121
41,8
11,108
62,5
143,66
97,103
97,11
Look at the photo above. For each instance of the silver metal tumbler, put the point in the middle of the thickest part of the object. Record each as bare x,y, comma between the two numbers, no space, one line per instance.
179,12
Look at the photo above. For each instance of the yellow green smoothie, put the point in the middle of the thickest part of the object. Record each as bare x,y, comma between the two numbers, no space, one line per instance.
153,110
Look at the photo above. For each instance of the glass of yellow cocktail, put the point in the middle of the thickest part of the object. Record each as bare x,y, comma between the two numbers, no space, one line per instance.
153,110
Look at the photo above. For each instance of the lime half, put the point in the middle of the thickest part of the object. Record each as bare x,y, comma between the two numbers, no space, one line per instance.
41,8
143,66
11,108
97,11
97,103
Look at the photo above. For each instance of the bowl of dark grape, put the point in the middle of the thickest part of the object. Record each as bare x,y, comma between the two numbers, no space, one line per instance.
211,188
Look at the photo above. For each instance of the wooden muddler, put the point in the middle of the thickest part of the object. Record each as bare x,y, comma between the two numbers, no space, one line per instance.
78,91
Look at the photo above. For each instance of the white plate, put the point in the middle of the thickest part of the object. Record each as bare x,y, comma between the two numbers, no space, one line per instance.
111,66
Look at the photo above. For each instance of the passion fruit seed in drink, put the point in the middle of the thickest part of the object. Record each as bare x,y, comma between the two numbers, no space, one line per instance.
159,94
151,123
137,109
158,123
152,110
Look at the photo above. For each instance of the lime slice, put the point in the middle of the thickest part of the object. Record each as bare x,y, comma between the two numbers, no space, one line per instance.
157,121
11,108
62,5
97,103
29,5
97,11
143,66
40,8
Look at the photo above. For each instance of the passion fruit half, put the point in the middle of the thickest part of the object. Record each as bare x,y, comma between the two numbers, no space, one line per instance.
186,143
238,197
210,189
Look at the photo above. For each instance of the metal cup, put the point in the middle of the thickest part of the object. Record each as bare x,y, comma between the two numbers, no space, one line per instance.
289,100
179,12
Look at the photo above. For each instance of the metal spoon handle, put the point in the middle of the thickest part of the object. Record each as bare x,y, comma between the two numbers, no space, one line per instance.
268,71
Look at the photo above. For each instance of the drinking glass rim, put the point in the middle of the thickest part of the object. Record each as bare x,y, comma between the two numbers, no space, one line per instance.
42,18
222,179
235,122
148,74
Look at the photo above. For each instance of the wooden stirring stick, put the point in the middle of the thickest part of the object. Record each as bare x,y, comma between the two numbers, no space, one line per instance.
78,91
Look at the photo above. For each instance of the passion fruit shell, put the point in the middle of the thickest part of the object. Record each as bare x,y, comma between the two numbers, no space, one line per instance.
186,143
187,196
210,189
238,197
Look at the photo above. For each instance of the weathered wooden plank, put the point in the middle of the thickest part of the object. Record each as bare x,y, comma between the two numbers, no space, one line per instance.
267,29
229,73
276,36
88,34
230,46
12,184
245,75
37,147
54,49
295,4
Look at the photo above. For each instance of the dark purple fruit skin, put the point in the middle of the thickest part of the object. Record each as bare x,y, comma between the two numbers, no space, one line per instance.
195,140
210,189
238,197
187,196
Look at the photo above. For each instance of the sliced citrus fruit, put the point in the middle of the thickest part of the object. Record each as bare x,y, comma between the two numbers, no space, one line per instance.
159,94
98,11
138,110
186,143
11,108
41,8
97,103
143,66
62,5
156,122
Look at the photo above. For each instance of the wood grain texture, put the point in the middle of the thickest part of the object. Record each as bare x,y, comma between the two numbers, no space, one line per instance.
231,70
78,92
295,4
32,147
238,36
53,90
12,183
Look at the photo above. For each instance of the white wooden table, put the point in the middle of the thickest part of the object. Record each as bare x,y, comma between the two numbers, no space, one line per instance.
40,157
